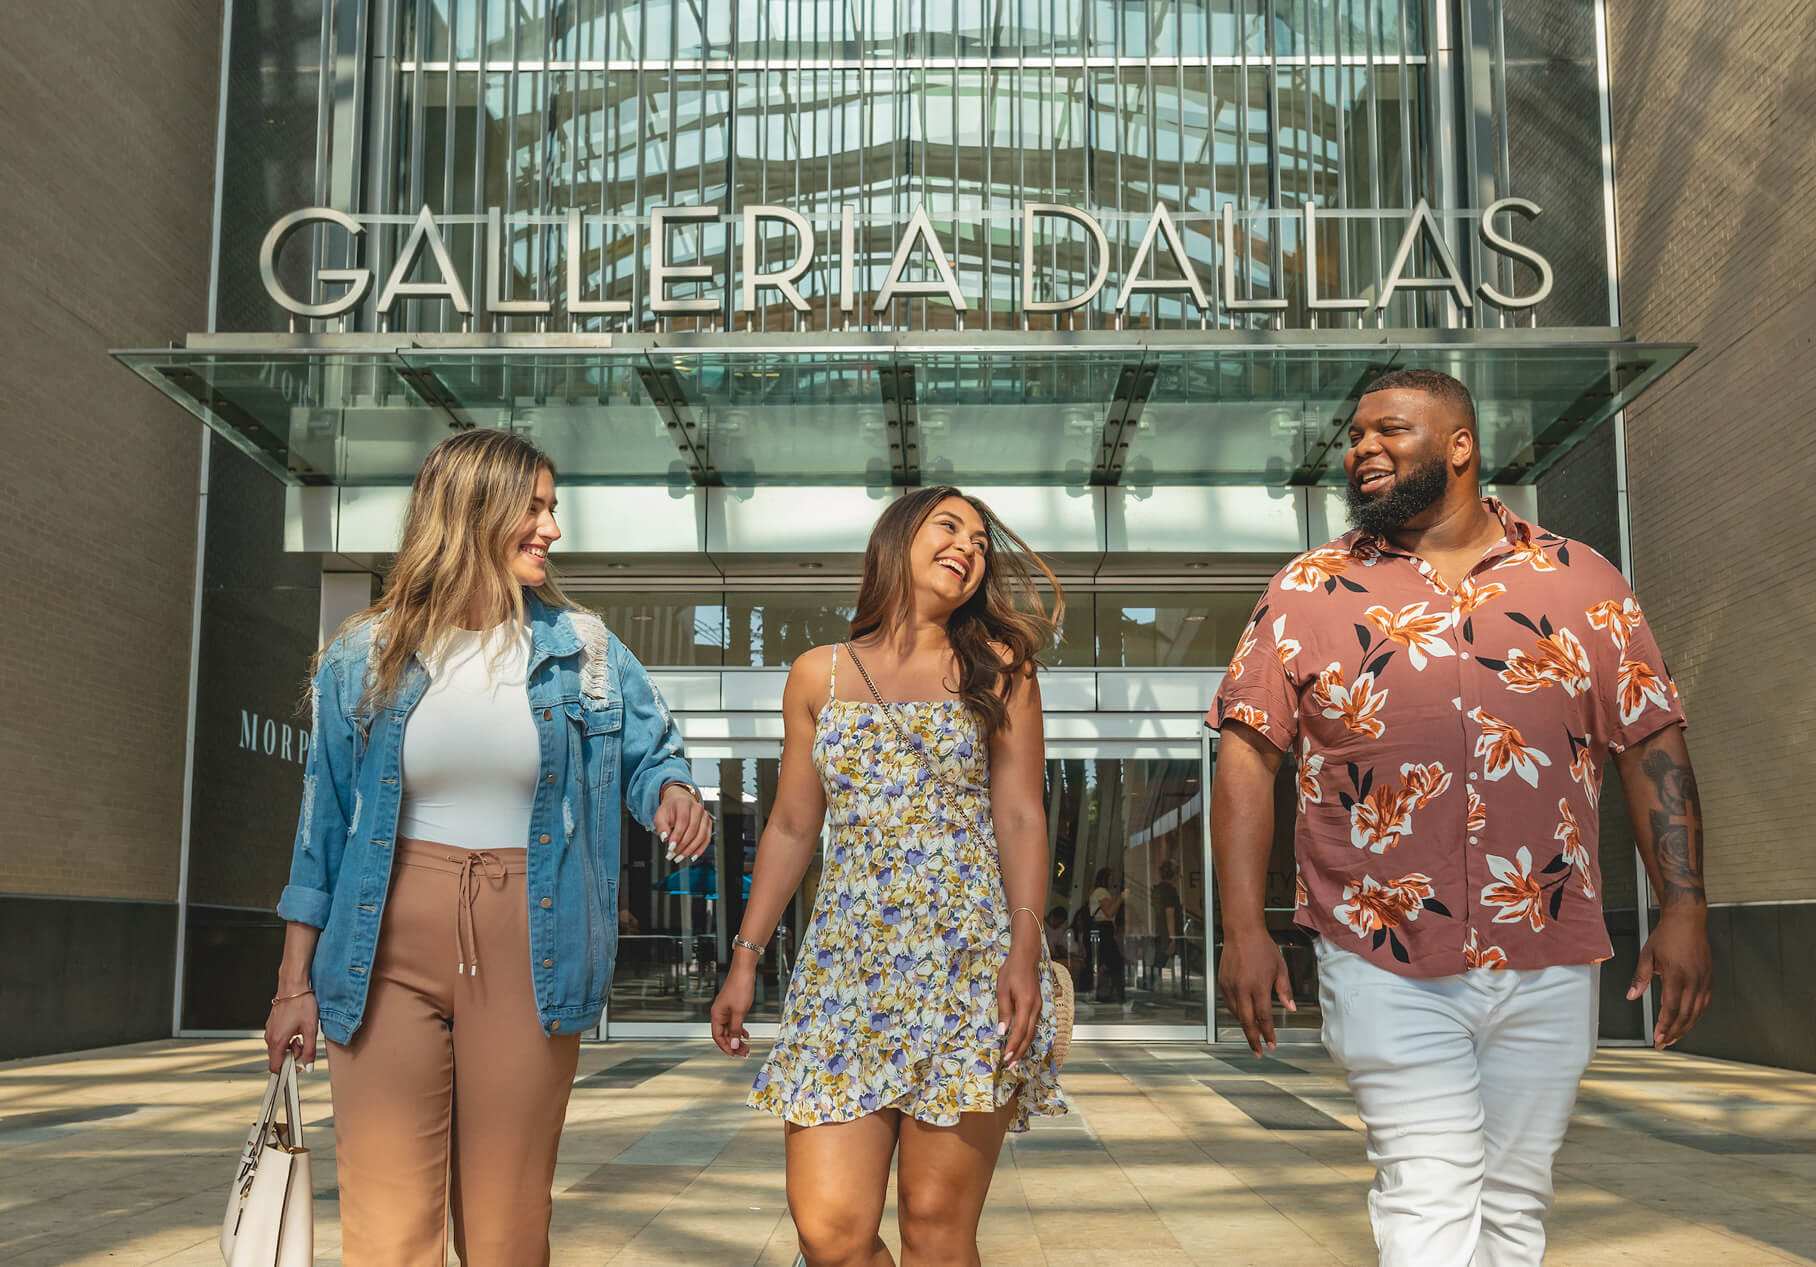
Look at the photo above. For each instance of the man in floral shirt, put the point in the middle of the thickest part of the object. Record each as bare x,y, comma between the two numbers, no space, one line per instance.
1449,680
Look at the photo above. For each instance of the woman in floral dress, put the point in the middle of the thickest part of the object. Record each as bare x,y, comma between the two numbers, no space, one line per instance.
919,1018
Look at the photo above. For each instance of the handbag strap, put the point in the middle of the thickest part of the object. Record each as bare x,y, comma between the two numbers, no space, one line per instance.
282,1087
950,789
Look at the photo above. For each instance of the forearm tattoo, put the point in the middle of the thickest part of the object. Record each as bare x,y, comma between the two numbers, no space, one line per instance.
1676,827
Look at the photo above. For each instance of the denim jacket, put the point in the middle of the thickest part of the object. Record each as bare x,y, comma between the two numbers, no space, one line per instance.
606,739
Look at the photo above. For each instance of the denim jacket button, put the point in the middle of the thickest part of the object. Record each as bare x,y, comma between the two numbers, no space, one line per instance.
546,903
543,839
548,714
548,963
554,1027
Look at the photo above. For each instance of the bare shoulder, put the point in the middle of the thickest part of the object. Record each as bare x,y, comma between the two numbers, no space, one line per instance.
810,674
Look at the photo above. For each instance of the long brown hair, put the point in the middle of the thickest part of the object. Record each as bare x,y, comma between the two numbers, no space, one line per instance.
461,531
1006,613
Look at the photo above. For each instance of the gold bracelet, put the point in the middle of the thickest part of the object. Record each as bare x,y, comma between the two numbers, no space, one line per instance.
1038,921
285,998
689,788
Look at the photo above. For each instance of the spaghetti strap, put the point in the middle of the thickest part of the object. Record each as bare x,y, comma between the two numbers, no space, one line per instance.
832,679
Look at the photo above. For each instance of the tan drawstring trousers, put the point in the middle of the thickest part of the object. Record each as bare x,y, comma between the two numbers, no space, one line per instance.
449,1100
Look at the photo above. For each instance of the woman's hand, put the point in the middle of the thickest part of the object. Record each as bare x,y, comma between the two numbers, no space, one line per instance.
1018,1003
292,1021
682,823
731,1007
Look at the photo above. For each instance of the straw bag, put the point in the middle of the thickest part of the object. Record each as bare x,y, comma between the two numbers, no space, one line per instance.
270,1220
1064,1009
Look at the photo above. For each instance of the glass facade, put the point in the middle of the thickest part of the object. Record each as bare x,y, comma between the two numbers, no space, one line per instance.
847,153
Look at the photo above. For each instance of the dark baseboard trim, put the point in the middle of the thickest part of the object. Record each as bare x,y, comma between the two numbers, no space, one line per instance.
1765,958
84,972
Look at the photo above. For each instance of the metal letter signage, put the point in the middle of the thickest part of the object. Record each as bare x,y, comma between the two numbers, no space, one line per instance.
1252,267
361,278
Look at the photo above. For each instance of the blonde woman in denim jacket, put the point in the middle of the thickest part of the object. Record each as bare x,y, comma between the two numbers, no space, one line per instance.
452,906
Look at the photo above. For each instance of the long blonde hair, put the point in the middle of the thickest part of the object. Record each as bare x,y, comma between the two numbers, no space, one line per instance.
461,531
1006,612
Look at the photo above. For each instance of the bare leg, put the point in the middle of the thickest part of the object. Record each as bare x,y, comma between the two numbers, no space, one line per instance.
838,1178
941,1181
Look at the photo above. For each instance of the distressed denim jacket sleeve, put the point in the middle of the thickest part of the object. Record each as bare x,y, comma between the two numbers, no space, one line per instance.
321,828
651,751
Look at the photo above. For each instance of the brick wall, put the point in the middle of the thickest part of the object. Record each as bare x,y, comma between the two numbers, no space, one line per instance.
1714,110
107,167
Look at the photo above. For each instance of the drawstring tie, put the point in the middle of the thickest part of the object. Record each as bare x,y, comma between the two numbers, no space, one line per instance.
477,866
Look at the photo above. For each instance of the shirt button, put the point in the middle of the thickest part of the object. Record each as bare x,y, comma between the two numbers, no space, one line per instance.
548,963
1464,654
546,903
548,714
1472,777
543,839
1472,840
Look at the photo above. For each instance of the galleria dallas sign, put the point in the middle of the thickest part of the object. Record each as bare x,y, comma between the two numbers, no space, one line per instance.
918,239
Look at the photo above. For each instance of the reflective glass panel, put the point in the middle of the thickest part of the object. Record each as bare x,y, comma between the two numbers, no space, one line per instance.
1126,914
675,922
770,629
663,627
1161,629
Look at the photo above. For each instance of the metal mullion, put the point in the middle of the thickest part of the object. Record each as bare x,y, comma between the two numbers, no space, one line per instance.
482,265
1371,39
447,164
1243,163
416,148
1116,133
668,165
1222,318
1151,104
507,246
324,114
1018,109
638,295
1275,198
1503,155
380,187
1178,69
796,118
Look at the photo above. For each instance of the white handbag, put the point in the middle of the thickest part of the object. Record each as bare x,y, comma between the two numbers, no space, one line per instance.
270,1219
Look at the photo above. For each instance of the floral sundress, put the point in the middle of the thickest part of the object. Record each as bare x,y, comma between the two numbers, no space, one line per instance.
893,1001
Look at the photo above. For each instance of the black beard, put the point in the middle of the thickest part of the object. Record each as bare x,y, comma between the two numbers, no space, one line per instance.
1386,513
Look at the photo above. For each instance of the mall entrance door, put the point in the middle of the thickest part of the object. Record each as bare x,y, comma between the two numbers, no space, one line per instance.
1125,914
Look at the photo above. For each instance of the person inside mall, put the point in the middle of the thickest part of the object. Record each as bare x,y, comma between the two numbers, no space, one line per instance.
919,1020
449,914
1446,681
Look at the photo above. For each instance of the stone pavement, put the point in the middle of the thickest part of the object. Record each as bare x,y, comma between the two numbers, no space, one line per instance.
1175,1155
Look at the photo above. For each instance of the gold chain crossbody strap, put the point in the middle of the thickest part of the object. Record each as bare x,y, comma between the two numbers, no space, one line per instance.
1063,1003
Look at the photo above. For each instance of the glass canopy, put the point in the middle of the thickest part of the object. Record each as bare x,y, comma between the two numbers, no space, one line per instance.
1132,408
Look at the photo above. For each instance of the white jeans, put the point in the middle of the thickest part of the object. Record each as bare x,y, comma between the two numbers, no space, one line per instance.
1465,1084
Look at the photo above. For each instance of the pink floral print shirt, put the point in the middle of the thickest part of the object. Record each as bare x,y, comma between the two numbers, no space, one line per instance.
1450,744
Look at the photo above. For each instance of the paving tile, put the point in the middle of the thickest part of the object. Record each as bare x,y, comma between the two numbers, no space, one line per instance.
1175,1154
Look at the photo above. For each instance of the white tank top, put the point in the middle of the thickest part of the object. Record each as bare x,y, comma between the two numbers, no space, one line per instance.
471,757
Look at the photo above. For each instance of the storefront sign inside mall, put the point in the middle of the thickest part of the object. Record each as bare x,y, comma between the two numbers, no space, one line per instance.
918,240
